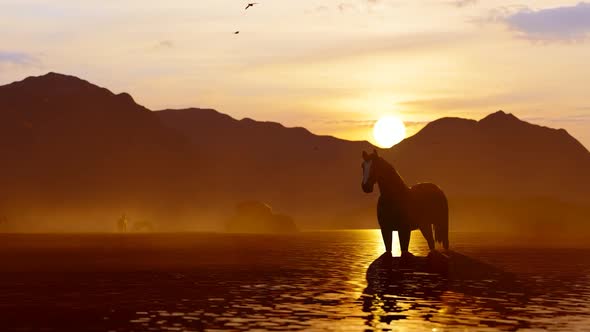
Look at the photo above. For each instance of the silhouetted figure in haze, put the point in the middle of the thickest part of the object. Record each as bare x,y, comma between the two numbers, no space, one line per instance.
122,223
400,208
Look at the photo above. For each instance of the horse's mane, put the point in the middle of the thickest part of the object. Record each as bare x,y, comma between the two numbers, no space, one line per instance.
392,177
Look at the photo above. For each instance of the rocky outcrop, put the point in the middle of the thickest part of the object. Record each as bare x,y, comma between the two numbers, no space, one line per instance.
257,217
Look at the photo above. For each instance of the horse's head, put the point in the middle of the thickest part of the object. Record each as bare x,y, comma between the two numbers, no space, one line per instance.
369,166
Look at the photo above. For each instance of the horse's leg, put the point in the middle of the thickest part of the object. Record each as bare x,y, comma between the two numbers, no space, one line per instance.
384,218
404,239
426,230
387,238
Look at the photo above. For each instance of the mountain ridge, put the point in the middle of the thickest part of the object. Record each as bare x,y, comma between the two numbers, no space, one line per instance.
104,152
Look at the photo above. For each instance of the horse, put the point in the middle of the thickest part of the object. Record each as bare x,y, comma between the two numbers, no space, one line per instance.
403,209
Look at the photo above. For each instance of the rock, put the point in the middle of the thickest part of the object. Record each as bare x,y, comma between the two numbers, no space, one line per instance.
257,217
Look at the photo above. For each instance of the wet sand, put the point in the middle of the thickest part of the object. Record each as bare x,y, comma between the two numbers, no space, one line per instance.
306,281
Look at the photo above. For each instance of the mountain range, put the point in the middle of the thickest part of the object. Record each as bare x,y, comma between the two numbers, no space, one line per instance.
76,156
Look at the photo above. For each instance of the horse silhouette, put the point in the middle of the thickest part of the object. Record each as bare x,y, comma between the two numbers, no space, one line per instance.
403,209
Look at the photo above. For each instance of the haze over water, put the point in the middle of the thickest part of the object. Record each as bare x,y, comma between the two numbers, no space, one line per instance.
306,281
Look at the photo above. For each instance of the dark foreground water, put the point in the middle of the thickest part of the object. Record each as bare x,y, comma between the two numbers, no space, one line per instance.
309,281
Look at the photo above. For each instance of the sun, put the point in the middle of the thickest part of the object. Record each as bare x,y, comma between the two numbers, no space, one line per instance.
388,131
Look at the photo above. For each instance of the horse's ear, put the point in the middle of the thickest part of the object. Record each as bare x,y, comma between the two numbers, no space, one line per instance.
366,156
375,153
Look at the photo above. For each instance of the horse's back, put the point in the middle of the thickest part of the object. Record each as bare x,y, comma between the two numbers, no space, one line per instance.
426,189
428,198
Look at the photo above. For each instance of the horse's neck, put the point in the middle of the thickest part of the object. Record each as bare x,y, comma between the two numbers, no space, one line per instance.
392,185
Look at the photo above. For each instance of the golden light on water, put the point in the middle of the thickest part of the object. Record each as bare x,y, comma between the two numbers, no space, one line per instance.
396,249
418,245
388,131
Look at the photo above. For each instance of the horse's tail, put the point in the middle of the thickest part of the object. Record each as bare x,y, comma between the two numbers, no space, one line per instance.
441,225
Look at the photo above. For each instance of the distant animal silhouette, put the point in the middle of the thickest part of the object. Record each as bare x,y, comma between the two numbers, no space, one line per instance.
251,5
143,226
403,209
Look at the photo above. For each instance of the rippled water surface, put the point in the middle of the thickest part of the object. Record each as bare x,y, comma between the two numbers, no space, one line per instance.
308,281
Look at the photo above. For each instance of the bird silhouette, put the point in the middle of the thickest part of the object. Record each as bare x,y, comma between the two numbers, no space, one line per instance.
237,32
251,5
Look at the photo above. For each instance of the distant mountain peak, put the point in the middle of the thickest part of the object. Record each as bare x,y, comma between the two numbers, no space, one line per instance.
125,97
59,85
53,84
496,128
500,117
53,93
58,75
55,77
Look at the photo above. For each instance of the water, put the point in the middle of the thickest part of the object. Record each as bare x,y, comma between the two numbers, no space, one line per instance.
309,281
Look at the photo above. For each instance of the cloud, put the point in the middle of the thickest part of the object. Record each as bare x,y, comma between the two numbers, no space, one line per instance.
343,7
416,123
351,6
575,118
164,45
401,45
463,3
318,9
349,123
18,58
462,104
567,23
367,123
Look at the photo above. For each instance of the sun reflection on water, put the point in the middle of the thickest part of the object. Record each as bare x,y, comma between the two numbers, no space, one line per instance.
321,281
417,244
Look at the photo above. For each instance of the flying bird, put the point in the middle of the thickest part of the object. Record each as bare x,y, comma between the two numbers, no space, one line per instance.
251,5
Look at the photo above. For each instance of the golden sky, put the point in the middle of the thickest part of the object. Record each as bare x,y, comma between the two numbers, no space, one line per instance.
331,66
